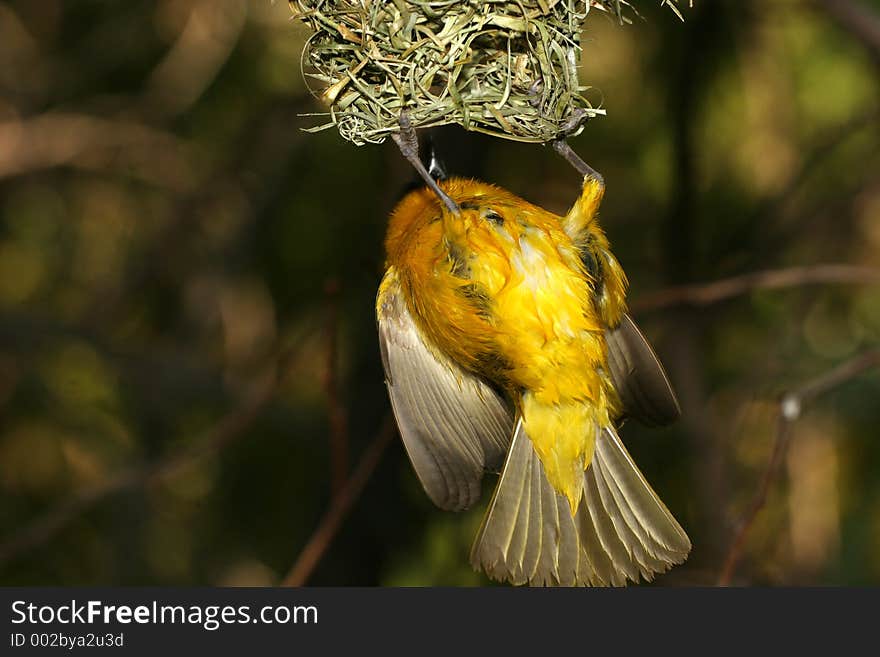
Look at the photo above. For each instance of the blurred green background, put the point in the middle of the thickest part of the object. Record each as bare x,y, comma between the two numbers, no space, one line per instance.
189,365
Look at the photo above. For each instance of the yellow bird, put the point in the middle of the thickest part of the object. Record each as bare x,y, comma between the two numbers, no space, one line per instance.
507,346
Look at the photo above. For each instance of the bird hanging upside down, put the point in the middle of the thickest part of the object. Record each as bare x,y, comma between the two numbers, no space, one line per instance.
507,347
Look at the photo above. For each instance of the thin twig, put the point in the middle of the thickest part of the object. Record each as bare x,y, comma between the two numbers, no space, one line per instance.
778,206
790,409
833,378
337,415
780,447
231,427
339,507
92,142
858,20
705,294
202,48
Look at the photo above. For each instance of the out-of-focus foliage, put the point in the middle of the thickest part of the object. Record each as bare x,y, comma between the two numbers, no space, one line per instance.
167,230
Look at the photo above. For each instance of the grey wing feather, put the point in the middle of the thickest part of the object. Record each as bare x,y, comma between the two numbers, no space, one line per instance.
639,377
454,426
496,549
636,502
621,531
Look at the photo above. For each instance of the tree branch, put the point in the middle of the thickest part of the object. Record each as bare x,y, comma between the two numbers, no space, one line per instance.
200,51
337,414
704,294
856,19
790,409
59,139
339,507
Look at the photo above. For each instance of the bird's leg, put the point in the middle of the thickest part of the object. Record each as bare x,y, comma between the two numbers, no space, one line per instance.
561,146
583,211
408,143
570,127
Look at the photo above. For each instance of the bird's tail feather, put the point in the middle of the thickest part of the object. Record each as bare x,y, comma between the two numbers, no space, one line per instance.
621,530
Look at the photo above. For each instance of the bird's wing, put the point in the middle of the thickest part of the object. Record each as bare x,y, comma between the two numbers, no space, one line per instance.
639,377
454,426
620,532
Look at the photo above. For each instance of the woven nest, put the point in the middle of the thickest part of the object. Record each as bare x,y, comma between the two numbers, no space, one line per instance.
507,68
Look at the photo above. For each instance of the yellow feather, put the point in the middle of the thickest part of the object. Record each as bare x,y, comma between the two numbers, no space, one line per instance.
519,302
501,289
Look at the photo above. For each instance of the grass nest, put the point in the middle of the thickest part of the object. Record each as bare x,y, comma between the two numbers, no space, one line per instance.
505,68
